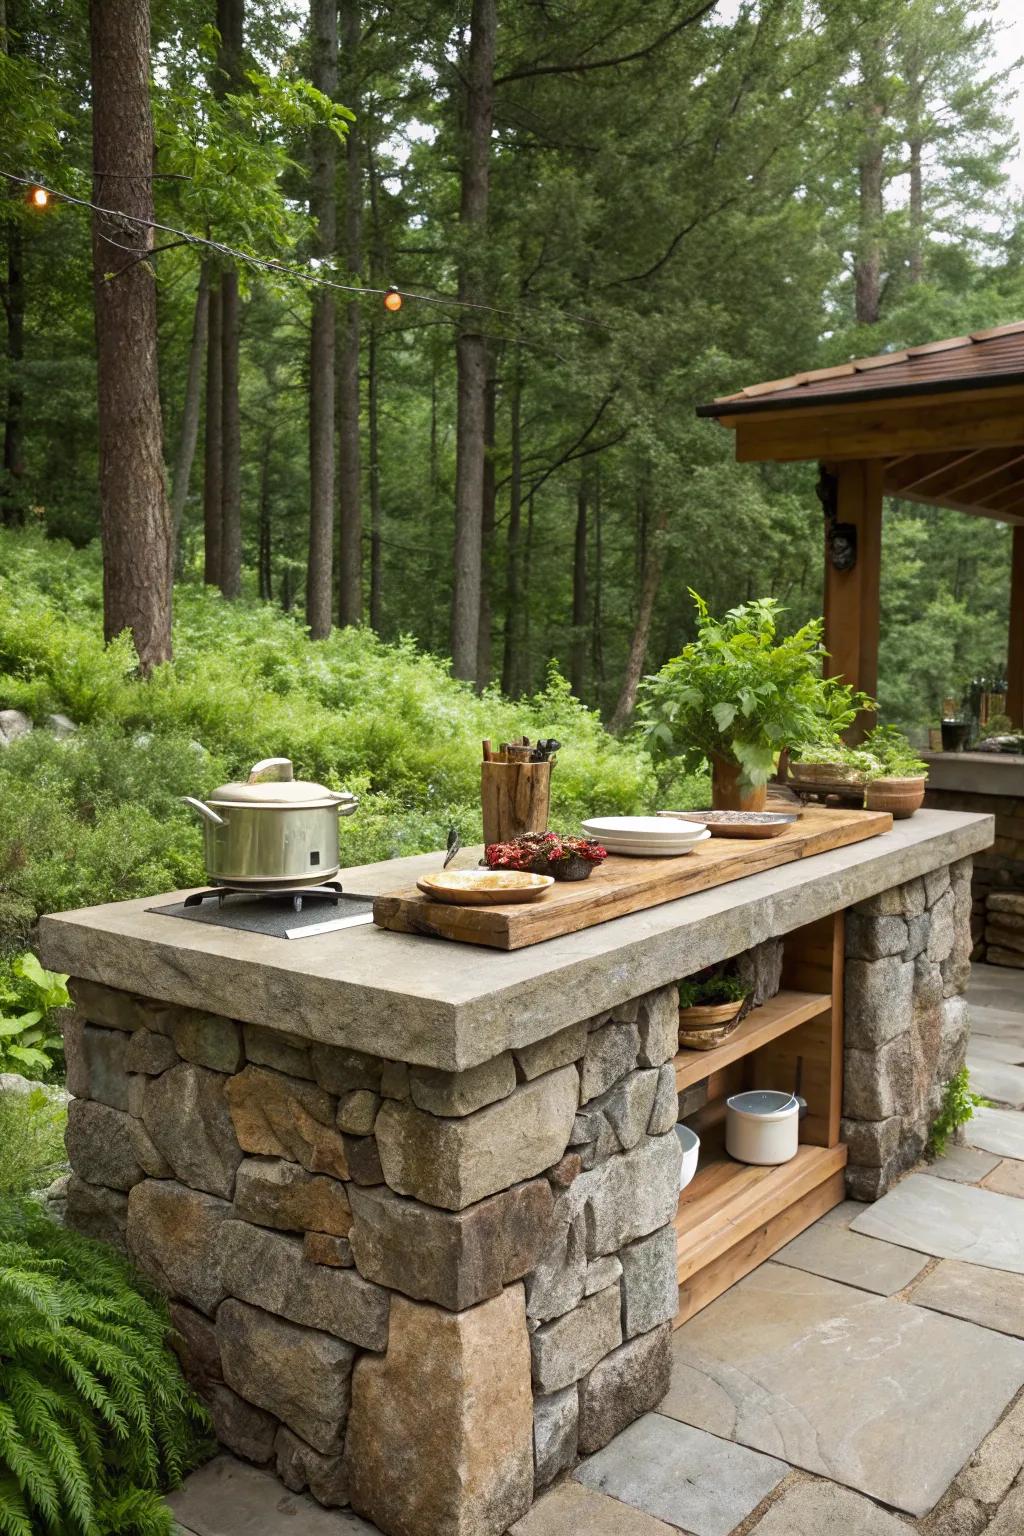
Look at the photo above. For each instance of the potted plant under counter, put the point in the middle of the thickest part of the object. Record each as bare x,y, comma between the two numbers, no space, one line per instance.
897,782
738,695
709,1009
831,766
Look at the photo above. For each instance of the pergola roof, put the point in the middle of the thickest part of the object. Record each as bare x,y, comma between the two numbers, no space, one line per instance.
962,362
944,421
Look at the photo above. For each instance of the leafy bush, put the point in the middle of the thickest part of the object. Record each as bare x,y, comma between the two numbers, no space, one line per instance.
742,692
98,817
957,1107
893,753
31,1141
95,1418
30,1041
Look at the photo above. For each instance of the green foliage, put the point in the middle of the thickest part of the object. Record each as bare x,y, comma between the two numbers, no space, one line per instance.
958,1106
95,1418
31,1141
715,989
30,1041
99,816
895,757
743,692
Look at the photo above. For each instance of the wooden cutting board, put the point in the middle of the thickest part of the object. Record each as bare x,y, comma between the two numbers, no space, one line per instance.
621,885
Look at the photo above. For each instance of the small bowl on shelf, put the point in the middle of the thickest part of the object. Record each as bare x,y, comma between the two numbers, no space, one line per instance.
690,1143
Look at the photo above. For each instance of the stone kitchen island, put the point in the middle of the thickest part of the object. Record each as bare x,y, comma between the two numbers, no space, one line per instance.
415,1204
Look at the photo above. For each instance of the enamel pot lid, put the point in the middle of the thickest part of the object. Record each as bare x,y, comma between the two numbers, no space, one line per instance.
272,784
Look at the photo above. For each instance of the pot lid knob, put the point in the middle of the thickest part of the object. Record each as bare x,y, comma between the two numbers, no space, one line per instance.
271,770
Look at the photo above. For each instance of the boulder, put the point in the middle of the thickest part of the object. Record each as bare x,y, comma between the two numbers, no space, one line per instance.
95,1062
623,1386
175,1236
630,1195
150,1053
13,723
455,1162
554,1051
274,1193
339,1070
99,1145
440,1433
566,1349
207,1040
558,1282
96,1211
268,1270
186,1114
611,1052
280,1116
60,726
658,1022
300,1375
120,1010
299,1466
270,1048
455,1258
460,1093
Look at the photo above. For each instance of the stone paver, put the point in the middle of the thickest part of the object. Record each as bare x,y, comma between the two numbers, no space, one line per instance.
829,1248
695,1481
1007,1178
992,986
951,1221
990,1297
823,1509
847,1385
983,1047
229,1498
572,1510
997,1081
965,1165
997,1130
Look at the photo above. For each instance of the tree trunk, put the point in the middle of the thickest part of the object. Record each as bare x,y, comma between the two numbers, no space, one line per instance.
471,346
231,441
350,573
376,528
212,512
597,646
511,661
650,582
868,257
578,662
483,646
135,517
231,25
266,589
916,213
190,410
323,30
12,509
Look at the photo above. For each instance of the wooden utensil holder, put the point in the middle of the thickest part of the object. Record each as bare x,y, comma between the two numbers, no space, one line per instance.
516,798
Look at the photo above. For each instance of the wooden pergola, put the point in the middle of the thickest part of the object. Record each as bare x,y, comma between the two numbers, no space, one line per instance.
941,424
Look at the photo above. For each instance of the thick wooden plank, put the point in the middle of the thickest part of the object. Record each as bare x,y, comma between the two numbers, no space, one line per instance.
728,1201
622,885
783,1012
875,429
702,1287
852,597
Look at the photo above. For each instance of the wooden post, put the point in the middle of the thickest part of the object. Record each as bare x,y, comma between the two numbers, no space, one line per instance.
852,596
1015,661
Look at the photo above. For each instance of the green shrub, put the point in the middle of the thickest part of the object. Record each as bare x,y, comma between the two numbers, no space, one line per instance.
31,1142
957,1107
30,1039
95,1418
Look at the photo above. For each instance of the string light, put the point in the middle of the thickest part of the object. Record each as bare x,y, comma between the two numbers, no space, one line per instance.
39,197
393,300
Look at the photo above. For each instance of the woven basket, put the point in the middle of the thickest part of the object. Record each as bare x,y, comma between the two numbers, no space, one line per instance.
706,1025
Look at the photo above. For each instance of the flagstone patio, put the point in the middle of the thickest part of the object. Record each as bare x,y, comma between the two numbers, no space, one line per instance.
867,1381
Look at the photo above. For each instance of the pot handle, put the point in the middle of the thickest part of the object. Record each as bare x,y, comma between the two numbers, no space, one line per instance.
271,770
203,809
346,801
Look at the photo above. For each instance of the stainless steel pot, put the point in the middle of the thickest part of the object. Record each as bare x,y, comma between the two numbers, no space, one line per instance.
273,830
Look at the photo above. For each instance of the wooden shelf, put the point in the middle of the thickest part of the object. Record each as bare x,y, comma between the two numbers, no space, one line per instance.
783,1012
727,1201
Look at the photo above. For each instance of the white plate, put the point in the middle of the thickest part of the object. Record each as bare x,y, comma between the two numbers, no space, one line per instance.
659,849
640,829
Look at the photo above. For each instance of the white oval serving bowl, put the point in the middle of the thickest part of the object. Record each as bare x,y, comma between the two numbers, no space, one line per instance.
690,1143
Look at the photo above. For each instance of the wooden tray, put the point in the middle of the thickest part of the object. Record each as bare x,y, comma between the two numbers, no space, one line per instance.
621,885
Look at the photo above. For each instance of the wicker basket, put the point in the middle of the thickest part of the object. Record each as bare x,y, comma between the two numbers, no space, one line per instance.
706,1025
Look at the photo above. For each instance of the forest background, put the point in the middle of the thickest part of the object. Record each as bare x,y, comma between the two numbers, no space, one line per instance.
600,213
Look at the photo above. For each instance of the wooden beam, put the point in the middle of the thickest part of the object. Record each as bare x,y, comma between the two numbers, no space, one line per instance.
1015,657
878,430
934,470
852,597
1005,497
971,509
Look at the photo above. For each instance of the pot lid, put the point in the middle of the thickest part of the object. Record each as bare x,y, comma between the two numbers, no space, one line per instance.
763,1103
271,783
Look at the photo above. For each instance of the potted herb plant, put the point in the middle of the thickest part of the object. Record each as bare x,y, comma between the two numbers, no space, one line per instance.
829,764
547,853
897,782
739,694
709,1010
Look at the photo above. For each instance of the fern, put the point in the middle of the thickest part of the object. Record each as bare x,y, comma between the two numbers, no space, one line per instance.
95,1418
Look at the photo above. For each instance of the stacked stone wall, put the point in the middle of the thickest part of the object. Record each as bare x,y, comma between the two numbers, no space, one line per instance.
997,916
908,955
423,1293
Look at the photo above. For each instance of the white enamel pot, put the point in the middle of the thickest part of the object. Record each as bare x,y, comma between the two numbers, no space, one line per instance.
690,1143
762,1126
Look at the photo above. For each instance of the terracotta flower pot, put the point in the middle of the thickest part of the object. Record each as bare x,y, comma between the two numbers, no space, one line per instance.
726,794
901,797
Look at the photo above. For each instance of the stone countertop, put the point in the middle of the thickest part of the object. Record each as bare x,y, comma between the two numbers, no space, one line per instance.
451,1005
976,773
